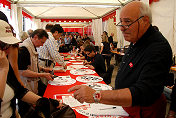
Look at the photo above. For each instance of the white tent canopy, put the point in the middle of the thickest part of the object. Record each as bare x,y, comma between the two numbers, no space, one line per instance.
82,9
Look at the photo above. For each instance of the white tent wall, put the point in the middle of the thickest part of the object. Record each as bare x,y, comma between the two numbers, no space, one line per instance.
36,24
105,25
112,28
19,18
97,30
15,18
120,39
164,15
109,27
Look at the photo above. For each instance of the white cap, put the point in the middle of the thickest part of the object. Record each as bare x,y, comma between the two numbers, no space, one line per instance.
6,35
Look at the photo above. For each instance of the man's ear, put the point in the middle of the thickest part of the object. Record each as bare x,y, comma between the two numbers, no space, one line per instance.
146,20
35,37
56,32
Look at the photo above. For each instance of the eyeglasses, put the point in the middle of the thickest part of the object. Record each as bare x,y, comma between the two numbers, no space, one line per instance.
128,23
4,46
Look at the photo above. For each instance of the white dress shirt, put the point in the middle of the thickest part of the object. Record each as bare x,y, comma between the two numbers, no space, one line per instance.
49,50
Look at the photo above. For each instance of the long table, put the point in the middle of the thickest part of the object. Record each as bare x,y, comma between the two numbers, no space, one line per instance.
52,90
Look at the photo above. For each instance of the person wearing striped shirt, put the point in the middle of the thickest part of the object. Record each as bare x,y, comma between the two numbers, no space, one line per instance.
48,53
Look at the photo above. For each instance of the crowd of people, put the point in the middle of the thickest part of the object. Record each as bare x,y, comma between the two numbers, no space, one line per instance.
26,65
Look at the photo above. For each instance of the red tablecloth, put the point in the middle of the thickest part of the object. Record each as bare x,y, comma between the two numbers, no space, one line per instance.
52,90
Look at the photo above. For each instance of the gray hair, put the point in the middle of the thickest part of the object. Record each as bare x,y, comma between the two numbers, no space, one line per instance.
146,11
23,35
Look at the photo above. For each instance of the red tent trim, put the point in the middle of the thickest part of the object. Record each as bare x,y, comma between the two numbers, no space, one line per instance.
66,20
6,3
111,15
27,15
150,1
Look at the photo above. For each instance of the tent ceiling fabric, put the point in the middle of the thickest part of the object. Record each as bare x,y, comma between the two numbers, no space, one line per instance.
66,9
67,12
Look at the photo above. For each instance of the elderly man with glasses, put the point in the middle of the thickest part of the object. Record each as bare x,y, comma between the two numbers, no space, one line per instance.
140,80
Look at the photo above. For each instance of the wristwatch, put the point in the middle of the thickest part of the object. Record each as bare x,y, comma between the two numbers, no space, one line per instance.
97,96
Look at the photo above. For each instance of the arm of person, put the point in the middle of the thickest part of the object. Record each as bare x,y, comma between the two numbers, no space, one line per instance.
101,49
90,66
30,97
54,52
4,68
112,46
13,59
45,69
121,97
32,74
81,58
85,62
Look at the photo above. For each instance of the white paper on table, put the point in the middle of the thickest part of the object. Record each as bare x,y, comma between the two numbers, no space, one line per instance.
62,80
103,110
72,60
78,66
67,62
82,71
58,68
71,101
72,67
78,63
72,57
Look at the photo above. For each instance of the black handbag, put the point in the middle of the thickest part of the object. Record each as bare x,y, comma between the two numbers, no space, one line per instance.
48,108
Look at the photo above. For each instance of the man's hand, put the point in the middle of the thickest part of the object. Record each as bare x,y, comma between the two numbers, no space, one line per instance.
85,62
47,70
65,67
48,76
83,93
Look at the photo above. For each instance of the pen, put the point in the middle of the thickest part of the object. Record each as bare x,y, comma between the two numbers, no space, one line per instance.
108,108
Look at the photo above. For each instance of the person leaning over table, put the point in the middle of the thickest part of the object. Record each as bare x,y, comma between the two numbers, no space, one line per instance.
140,80
10,88
48,53
97,62
29,68
82,54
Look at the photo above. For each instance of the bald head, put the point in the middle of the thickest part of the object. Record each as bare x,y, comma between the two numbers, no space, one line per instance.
135,19
137,9
132,9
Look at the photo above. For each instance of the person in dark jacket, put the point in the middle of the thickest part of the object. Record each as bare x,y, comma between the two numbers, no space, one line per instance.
145,66
96,60
105,50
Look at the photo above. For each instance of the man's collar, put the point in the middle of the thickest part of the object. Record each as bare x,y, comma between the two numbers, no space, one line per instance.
147,34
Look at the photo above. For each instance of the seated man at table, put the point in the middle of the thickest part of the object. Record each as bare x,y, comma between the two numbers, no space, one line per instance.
82,54
97,62
145,66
